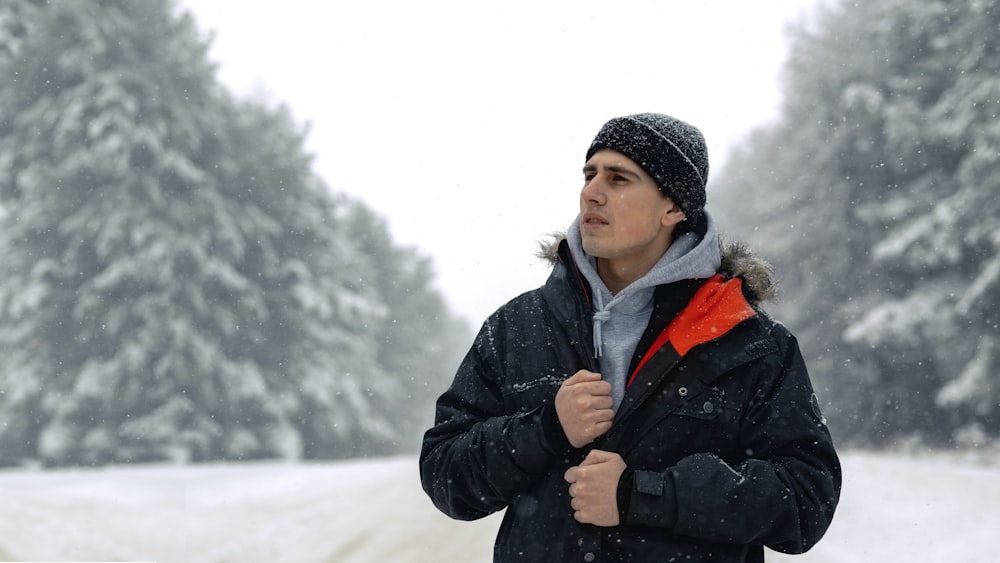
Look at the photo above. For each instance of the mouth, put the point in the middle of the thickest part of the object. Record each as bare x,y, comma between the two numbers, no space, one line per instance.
592,220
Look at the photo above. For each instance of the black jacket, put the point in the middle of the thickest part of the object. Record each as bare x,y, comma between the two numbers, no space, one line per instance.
725,446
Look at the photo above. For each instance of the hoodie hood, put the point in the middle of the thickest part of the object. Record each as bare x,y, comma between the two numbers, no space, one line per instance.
691,255
738,261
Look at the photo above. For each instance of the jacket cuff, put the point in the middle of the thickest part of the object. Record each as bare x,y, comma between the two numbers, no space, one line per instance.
625,485
555,437
649,499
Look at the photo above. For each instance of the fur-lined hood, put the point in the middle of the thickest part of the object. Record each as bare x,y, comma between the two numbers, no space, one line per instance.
738,261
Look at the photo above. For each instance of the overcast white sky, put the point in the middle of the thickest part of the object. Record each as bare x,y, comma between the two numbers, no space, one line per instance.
465,123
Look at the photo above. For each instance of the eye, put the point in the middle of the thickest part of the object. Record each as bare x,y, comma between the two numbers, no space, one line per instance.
619,178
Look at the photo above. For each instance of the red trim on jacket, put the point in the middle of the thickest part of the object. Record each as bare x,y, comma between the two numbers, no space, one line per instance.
717,307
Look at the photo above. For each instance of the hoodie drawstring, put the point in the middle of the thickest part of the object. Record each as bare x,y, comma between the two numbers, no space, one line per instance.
599,318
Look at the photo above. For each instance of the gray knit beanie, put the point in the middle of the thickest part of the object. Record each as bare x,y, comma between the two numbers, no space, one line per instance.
671,151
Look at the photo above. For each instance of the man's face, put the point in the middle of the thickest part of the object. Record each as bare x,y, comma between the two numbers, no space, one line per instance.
624,218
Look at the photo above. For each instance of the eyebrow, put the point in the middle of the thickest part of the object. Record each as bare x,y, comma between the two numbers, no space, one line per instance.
613,168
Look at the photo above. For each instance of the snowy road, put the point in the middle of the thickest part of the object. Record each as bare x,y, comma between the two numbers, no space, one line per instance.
893,509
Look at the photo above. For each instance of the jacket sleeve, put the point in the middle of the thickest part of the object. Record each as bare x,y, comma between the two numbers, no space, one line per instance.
783,494
477,457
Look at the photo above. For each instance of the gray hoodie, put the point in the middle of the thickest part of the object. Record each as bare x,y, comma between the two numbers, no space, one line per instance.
620,319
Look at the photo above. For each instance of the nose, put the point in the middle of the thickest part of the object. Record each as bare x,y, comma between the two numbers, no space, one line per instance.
593,192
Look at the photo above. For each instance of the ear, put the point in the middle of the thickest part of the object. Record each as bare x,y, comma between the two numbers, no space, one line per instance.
673,215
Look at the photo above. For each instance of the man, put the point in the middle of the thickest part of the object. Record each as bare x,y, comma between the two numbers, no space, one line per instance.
639,406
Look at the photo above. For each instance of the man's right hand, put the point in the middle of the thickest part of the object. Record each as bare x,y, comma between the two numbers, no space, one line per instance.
584,406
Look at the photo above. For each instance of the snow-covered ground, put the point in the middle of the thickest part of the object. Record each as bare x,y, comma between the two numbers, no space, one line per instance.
894,508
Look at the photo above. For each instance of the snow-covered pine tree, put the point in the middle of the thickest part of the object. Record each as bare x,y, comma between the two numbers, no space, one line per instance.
876,196
938,106
175,282
421,340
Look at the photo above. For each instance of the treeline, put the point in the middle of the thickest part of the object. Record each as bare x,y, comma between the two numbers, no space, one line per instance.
176,283
875,194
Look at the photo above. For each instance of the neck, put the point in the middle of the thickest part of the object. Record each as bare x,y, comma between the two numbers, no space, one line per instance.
619,274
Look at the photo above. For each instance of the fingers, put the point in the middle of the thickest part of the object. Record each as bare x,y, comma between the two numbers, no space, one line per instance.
594,388
594,457
593,487
586,377
587,382
599,456
585,407
587,385
598,428
600,405
582,376
602,400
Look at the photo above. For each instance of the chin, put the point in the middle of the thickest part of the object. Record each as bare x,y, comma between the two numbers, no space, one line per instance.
594,250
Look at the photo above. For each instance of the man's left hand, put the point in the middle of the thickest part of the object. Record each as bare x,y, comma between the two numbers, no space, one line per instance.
593,487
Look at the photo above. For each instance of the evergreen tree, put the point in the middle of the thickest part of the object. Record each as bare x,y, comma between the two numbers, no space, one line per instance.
175,282
421,341
884,160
